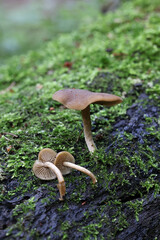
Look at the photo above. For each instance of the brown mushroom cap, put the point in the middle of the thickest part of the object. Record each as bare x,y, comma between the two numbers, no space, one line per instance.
79,99
47,155
62,157
41,168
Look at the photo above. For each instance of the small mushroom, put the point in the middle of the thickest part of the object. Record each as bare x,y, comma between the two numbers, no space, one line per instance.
65,162
45,169
79,99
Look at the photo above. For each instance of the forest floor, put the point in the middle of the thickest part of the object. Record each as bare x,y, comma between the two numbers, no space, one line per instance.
26,25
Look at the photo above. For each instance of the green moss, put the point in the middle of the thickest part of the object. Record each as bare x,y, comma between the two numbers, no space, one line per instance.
91,231
24,207
136,206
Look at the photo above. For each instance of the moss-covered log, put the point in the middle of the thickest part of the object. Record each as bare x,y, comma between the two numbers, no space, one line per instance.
119,53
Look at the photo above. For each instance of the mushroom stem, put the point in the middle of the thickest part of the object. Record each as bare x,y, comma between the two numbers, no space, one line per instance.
87,129
61,184
82,169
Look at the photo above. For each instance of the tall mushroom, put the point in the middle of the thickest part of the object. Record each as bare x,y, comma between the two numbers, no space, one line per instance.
45,169
65,162
79,99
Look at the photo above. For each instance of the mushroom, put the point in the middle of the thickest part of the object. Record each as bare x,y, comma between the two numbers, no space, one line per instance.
79,99
45,169
65,162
